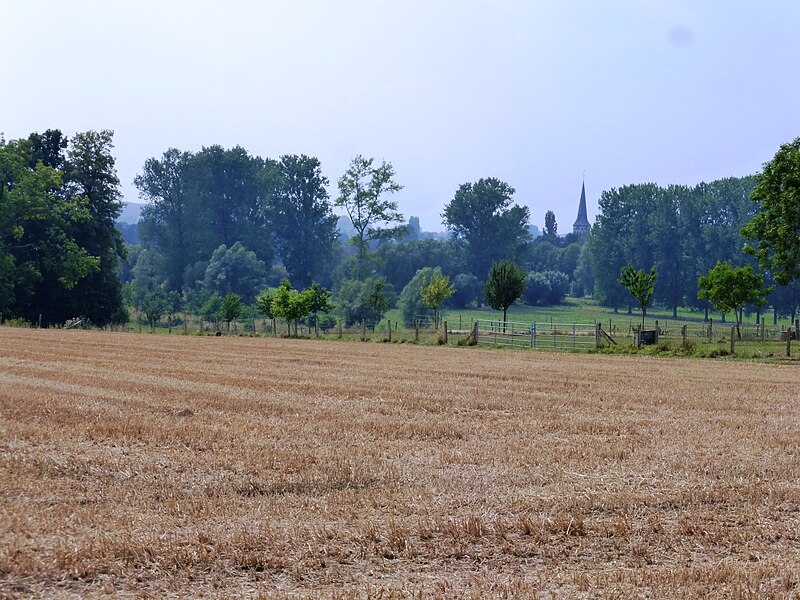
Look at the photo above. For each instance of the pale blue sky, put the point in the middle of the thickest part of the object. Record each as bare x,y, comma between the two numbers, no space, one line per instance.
532,92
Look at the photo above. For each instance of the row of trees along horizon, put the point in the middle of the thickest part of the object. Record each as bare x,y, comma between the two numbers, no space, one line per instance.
221,222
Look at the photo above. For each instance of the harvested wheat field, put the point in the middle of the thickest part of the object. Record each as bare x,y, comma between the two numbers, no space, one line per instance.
151,466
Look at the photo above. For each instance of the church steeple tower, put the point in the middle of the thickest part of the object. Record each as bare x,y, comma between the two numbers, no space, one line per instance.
582,225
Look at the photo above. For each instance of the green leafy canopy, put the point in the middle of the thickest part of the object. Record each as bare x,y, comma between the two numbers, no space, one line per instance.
640,284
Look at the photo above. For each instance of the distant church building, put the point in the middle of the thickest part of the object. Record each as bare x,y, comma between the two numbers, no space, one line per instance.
581,225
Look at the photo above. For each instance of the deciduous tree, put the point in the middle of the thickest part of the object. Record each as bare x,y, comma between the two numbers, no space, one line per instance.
399,262
39,251
504,286
362,194
486,224
729,288
546,287
231,309
211,308
170,222
319,300
363,301
235,270
300,212
410,301
376,300
264,303
291,304
434,292
640,284
154,306
550,224
468,290
775,228
90,173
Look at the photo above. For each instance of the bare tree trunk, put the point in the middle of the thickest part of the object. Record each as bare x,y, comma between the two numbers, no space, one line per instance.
738,316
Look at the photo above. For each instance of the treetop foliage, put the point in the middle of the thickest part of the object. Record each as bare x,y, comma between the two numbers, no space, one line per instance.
775,228
482,219
362,194
221,221
729,288
640,284
59,249
505,285
411,303
550,225
680,230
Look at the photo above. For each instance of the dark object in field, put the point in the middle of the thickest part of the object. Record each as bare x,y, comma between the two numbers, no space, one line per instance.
647,337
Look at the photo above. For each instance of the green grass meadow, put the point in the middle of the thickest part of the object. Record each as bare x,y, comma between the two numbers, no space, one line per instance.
572,310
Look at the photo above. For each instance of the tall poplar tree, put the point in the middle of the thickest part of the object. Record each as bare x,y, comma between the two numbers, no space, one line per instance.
302,219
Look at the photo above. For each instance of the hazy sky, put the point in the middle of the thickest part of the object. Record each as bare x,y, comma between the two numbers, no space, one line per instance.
449,91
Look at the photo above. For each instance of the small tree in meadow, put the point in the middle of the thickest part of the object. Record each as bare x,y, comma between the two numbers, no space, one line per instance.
640,284
264,306
155,306
729,288
210,310
504,286
375,300
174,305
319,300
435,292
231,309
291,304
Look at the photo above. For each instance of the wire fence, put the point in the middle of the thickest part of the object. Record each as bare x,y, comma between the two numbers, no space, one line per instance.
710,338
556,336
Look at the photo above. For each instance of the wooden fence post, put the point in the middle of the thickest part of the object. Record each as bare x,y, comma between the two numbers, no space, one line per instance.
683,333
416,330
597,335
476,332
733,337
390,330
444,323
710,329
789,341
364,330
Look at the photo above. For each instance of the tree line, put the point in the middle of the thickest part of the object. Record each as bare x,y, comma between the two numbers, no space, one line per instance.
220,222
681,231
59,247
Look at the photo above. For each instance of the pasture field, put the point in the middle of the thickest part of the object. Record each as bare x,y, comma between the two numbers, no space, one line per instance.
152,465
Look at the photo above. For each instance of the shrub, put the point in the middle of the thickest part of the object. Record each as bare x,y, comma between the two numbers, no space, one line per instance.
410,302
468,290
546,287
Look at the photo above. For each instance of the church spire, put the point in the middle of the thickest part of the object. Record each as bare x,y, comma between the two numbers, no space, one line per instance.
582,225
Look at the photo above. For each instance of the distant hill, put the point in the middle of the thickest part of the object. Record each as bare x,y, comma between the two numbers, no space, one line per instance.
131,212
